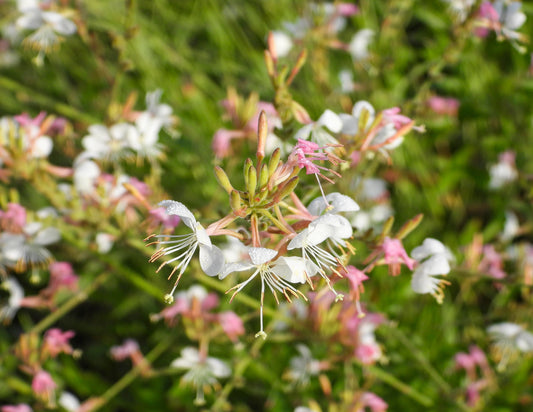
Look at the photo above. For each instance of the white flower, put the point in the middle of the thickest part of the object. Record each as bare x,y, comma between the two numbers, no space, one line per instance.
48,26
511,17
434,260
282,43
69,402
511,227
358,47
211,257
149,124
86,172
331,227
16,294
28,248
501,174
277,275
510,339
104,242
351,124
201,370
109,143
316,131
346,81
304,366
460,7
337,203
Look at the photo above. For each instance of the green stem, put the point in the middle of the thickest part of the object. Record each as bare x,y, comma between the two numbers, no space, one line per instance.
58,107
399,385
129,377
70,304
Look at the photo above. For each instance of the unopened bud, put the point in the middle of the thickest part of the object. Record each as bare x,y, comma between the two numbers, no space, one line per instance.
409,226
269,63
299,113
286,189
299,64
274,161
263,176
252,182
223,179
235,201
262,134
387,226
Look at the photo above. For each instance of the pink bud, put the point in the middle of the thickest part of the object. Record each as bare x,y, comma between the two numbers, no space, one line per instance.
395,255
231,324
124,351
56,341
43,385
21,407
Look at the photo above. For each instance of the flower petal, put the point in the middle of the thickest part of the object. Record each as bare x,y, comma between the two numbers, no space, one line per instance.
211,260
179,209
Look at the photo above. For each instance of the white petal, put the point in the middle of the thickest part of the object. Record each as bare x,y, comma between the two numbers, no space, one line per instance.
524,341
304,132
61,24
331,120
211,260
42,147
47,236
189,358
234,267
220,369
429,247
282,43
69,402
504,329
31,20
340,203
423,283
260,255
350,124
179,209
293,269
298,240
436,265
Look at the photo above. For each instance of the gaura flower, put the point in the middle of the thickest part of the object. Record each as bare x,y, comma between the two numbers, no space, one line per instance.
509,339
434,260
277,275
211,257
202,371
316,131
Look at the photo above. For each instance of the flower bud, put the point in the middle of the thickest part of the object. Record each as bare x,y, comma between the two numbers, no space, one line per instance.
223,179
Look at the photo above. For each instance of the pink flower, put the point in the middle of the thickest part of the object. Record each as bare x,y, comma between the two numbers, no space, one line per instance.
231,324
44,386
373,401
393,116
161,217
395,255
444,105
488,18
492,263
465,361
56,341
368,353
13,219
347,9
306,152
478,356
128,349
472,394
222,141
21,407
356,278
62,276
